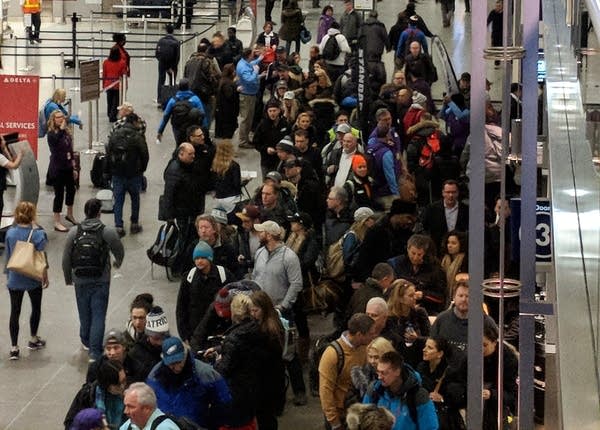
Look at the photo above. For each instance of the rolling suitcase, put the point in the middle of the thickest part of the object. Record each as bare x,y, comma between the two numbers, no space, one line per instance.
167,91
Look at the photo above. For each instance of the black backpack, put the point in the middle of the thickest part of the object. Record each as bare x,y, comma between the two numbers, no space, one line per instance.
409,398
181,114
331,50
166,247
319,347
89,253
121,154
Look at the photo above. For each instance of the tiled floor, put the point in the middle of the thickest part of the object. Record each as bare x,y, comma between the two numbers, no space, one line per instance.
37,389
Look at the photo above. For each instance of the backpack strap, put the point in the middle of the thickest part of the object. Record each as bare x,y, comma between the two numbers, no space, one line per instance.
191,273
222,274
157,421
340,355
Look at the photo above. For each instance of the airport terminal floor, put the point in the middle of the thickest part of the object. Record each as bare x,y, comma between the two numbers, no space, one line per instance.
38,388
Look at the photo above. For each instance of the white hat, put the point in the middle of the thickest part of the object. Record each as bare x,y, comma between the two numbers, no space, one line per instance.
363,213
289,95
270,227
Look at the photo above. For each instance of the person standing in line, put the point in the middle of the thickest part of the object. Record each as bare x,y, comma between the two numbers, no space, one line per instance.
120,40
291,25
34,9
350,24
25,229
86,264
325,22
228,104
127,153
112,69
167,54
249,86
61,169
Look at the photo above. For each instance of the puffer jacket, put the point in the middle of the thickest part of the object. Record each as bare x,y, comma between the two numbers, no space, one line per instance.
397,402
198,393
291,24
180,185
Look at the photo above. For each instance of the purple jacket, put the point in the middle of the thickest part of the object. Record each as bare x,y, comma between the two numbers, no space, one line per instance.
61,152
324,24
387,163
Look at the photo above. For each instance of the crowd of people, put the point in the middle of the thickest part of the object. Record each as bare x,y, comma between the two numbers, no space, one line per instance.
374,204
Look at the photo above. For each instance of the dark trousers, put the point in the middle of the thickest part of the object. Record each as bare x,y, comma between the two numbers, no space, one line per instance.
162,77
64,183
288,45
112,102
33,32
16,300
300,319
269,5
294,369
187,235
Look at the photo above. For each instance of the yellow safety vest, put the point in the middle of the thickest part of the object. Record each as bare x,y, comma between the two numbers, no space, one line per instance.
32,6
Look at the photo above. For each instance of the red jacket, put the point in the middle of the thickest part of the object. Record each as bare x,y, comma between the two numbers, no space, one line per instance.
112,71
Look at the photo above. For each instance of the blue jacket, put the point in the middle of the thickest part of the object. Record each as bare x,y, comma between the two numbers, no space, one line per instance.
39,240
387,163
182,95
397,404
419,36
51,106
248,77
203,397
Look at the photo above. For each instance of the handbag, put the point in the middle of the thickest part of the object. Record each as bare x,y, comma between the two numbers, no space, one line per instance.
27,261
407,187
305,35
449,419
321,297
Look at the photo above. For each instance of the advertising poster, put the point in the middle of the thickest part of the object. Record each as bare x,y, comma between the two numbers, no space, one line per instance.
19,112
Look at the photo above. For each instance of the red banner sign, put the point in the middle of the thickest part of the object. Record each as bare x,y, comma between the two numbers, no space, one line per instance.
19,107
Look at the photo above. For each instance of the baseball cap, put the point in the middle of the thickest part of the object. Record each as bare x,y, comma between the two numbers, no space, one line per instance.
220,215
289,95
302,218
114,336
281,84
270,227
343,128
173,351
274,176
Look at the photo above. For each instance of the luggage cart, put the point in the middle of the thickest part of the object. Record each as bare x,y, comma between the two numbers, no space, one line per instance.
5,29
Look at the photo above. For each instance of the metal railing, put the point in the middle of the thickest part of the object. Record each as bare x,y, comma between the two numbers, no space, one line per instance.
575,200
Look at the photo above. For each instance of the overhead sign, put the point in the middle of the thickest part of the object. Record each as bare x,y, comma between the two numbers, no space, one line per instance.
89,75
23,118
365,5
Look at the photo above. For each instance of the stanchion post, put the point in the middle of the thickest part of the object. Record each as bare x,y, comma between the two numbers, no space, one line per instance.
26,67
62,64
124,16
15,54
93,47
53,83
76,88
102,41
97,142
122,89
92,21
90,150
145,38
219,12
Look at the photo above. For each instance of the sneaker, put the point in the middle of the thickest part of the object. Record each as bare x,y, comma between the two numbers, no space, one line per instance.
121,231
85,348
135,228
14,354
300,399
38,344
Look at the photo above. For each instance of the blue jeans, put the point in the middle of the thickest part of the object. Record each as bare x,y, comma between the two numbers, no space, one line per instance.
122,185
92,302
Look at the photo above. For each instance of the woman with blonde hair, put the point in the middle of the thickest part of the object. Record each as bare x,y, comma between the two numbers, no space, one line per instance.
62,172
226,176
363,376
25,229
408,320
59,97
